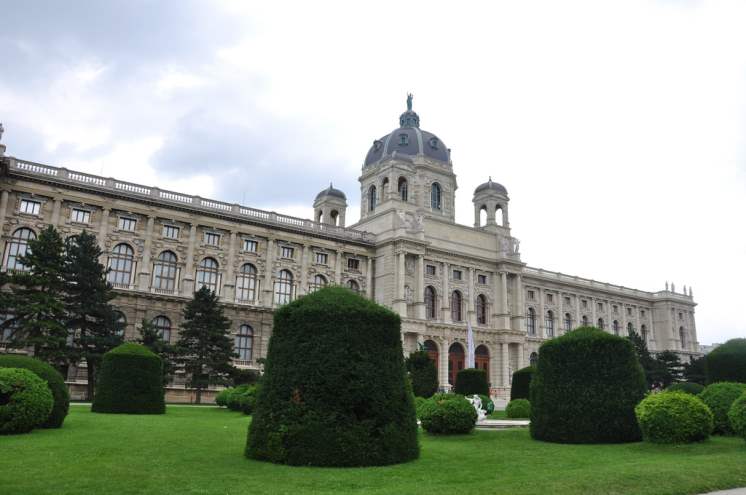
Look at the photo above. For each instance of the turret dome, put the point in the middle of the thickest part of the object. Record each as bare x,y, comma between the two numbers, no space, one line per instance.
492,186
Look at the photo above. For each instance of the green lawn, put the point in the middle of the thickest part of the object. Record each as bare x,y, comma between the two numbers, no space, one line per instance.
200,451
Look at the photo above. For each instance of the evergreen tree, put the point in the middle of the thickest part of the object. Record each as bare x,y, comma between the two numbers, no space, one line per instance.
153,340
650,366
91,318
205,347
694,371
671,366
35,300
422,373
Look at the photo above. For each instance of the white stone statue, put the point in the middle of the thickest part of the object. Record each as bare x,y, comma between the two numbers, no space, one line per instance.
2,130
476,402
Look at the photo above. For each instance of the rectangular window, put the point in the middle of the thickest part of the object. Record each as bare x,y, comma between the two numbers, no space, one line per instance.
322,258
212,239
457,275
530,295
127,224
642,313
353,264
482,279
250,246
30,207
170,232
286,252
430,270
629,311
600,306
681,316
550,298
616,309
80,216
585,304
567,301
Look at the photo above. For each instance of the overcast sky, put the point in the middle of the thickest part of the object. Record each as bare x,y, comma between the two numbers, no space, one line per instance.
618,128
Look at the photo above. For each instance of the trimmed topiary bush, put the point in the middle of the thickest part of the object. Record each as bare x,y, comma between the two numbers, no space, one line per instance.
519,387
674,417
686,387
737,416
25,401
222,398
585,389
423,374
334,390
130,381
719,397
518,409
727,363
472,381
447,414
54,380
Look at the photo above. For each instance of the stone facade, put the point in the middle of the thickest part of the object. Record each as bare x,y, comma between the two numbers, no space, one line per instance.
406,252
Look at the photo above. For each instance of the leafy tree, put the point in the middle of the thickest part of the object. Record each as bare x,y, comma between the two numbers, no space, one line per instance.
35,300
694,371
423,374
205,347
151,338
672,369
91,318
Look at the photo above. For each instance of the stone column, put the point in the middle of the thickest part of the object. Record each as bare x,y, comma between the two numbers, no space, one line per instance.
187,287
445,305
102,234
594,320
144,280
505,363
419,296
470,312
338,267
520,310
229,284
443,365
521,361
303,289
401,272
369,278
55,212
268,272
577,311
541,330
3,205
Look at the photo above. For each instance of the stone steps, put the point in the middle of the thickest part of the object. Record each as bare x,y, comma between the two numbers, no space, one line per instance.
502,424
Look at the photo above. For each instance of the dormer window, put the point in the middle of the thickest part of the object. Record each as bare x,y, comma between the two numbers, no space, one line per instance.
377,145
403,139
433,142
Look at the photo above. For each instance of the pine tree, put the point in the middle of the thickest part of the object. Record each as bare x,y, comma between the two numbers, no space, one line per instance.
694,371
655,374
90,316
35,300
204,346
673,370
153,340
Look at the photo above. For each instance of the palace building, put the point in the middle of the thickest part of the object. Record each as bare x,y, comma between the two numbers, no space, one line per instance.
406,252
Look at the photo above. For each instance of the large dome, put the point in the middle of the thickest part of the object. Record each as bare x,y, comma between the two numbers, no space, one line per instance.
408,140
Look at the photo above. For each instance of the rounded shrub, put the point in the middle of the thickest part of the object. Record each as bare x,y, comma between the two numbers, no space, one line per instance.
130,381
737,416
447,414
686,387
674,417
54,380
472,381
518,408
233,398
423,374
519,387
334,391
719,397
585,389
727,363
25,401
221,399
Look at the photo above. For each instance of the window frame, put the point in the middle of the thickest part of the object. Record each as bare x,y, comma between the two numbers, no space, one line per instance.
36,209
75,212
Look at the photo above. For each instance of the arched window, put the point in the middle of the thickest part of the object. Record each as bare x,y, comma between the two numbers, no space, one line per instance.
121,263
121,323
435,196
482,359
601,323
483,216
318,282
615,327
385,188
402,188
456,361
334,216
372,197
568,322
585,321
456,305
533,359
284,287
499,215
17,247
682,337
644,332
432,351
430,304
244,342
481,309
246,283
549,324
164,272
207,274
630,328
531,321
163,325
353,286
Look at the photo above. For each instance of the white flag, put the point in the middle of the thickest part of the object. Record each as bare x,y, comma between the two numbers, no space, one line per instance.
469,346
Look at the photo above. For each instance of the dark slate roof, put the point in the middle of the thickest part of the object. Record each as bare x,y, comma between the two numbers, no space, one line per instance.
331,191
491,185
408,139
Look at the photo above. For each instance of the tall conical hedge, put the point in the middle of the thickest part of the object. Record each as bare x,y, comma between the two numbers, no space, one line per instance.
334,391
131,381
54,380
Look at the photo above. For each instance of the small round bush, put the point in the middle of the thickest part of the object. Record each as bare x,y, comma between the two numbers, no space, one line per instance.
234,399
130,382
585,389
222,398
487,404
334,391
472,381
518,408
52,377
686,387
25,401
719,397
674,417
737,416
447,414
519,388
727,363
244,398
423,374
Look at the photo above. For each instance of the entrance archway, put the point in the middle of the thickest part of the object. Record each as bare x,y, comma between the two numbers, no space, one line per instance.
456,360
482,359
432,351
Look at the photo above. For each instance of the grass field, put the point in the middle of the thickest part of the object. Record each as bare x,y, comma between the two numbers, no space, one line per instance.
200,451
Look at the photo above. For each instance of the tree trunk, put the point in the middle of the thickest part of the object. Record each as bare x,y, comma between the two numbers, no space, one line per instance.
198,396
91,380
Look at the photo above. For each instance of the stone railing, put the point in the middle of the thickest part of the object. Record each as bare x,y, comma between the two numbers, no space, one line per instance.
65,176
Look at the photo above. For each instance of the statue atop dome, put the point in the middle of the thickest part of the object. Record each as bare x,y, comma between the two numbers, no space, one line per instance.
409,101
